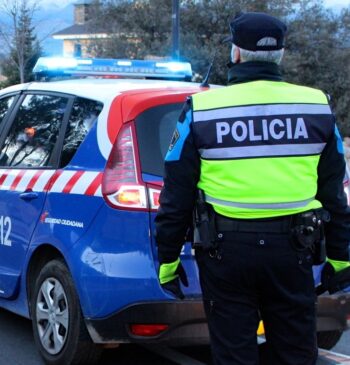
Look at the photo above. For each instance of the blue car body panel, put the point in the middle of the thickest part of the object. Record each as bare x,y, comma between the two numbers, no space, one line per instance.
88,154
18,218
114,263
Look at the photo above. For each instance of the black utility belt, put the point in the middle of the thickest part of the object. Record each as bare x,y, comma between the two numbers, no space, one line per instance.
271,225
306,230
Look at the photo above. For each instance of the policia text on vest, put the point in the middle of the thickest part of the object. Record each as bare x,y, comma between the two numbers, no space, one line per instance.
275,129
274,125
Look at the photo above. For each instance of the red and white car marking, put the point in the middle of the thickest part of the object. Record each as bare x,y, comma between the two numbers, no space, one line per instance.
60,181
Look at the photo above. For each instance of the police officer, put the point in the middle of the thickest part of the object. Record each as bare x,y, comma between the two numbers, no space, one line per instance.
268,157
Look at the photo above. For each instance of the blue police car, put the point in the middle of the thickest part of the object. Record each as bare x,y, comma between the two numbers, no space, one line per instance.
81,166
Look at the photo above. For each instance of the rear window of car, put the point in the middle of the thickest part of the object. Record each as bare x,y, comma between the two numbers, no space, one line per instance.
154,128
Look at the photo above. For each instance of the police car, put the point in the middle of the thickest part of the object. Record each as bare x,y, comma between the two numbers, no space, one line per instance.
81,165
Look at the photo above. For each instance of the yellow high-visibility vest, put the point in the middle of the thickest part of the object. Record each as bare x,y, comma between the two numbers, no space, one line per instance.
260,143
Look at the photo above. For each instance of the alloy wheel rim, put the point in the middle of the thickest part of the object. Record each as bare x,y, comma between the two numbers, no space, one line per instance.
52,315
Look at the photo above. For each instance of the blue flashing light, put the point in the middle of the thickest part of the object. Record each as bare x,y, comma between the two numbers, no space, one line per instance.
61,66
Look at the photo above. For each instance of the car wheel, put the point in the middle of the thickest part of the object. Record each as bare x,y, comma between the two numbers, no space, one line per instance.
328,339
58,326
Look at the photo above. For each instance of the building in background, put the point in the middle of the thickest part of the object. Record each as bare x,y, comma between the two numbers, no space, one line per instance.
78,37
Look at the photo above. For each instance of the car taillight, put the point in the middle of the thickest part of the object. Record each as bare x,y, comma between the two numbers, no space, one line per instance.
131,195
121,186
261,330
154,194
148,330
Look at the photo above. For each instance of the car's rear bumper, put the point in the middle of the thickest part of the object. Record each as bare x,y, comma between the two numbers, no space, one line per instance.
333,312
187,322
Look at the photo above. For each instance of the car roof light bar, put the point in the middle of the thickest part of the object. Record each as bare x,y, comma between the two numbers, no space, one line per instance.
65,66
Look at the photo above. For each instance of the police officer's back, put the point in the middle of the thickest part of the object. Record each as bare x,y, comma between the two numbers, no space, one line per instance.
268,158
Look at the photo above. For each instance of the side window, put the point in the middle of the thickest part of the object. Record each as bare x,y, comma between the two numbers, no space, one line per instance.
34,132
5,104
83,116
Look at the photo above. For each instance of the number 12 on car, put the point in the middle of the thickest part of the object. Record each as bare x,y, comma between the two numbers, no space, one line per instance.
5,230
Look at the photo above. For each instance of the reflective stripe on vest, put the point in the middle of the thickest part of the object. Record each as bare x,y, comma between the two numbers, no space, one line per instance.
258,110
259,151
289,205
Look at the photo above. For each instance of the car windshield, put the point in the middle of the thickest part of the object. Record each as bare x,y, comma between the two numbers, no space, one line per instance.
154,128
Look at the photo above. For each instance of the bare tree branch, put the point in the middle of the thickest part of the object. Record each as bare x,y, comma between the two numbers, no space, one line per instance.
17,32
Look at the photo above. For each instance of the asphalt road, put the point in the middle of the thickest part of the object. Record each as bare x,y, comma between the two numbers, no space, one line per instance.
17,348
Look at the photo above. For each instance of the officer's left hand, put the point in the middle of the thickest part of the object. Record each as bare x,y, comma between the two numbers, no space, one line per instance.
335,276
170,275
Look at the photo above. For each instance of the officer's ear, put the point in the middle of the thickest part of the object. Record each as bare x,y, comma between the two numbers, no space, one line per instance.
235,54
236,57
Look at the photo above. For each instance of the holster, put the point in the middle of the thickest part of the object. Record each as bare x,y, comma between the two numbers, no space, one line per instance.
307,231
204,230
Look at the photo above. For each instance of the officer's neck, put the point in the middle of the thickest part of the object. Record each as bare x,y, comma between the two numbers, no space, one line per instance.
252,71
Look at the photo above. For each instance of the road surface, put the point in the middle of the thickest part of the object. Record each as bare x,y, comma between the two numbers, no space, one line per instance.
17,348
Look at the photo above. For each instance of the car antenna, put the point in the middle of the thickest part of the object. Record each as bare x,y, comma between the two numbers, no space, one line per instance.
205,82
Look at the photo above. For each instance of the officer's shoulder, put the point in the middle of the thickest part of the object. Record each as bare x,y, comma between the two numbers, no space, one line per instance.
208,93
307,90
212,89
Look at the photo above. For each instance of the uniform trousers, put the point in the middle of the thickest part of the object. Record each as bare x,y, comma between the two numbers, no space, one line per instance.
253,276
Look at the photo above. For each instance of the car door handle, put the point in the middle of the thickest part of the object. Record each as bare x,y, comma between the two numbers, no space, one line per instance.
28,195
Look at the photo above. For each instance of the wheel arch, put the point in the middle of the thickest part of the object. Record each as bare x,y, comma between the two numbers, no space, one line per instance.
43,254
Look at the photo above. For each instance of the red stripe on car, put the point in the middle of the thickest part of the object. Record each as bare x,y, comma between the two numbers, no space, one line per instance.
91,190
70,184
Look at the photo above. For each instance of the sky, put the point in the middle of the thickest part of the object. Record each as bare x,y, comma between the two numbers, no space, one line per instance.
58,3
337,2
62,3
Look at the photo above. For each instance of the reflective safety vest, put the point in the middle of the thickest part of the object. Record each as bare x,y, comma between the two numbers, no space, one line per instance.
260,143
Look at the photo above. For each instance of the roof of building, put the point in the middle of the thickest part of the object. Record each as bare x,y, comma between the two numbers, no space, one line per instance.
73,29
76,29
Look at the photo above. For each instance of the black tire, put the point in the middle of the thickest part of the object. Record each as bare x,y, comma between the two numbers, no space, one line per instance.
328,339
58,326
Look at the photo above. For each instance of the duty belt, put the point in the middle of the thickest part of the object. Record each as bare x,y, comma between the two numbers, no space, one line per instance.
270,225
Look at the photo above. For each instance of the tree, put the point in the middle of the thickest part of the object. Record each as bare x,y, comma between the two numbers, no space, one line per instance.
20,40
317,42
317,55
137,29
143,28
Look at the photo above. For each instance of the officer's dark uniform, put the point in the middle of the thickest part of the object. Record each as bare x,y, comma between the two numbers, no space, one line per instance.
258,269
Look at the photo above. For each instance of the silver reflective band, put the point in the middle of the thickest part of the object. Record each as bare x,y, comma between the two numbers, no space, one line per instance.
263,151
298,204
260,110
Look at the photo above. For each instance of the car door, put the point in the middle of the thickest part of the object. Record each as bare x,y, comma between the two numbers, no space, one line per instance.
155,126
27,163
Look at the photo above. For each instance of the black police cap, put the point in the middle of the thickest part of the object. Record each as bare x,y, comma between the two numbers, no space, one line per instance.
249,28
